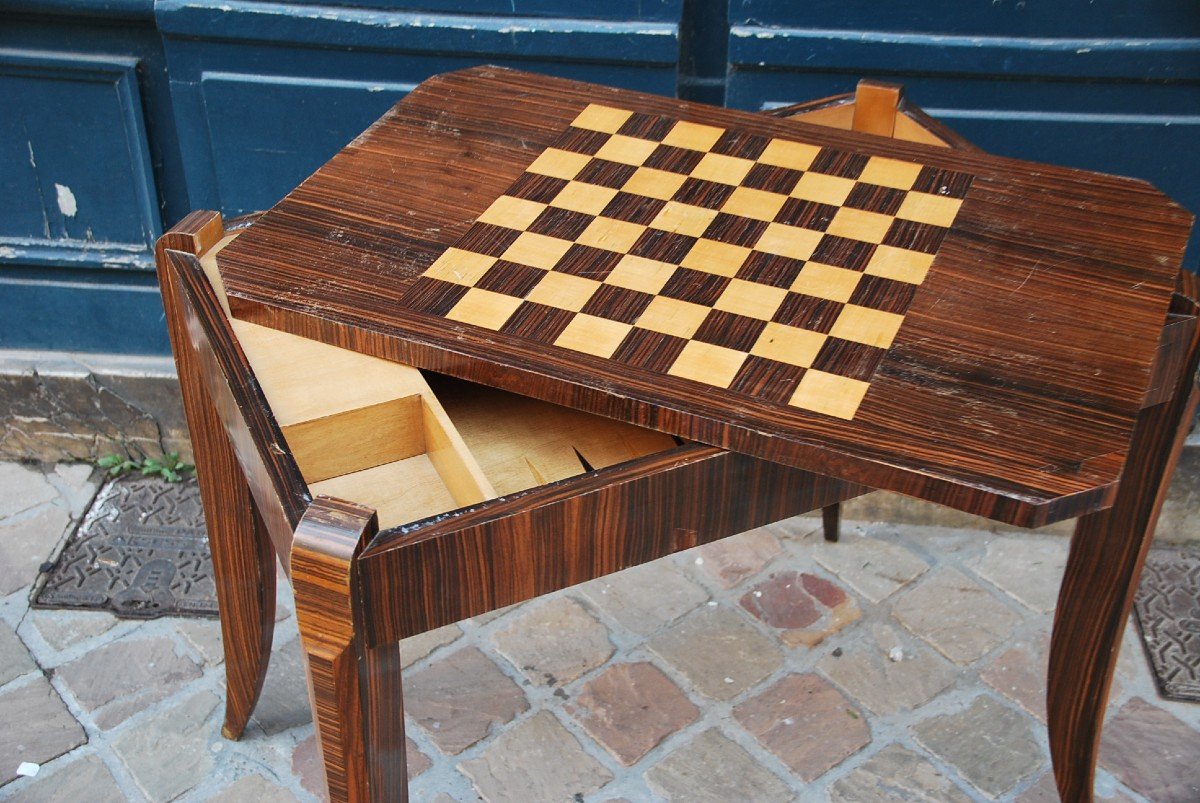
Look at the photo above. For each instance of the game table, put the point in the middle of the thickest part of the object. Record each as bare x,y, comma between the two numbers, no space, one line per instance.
764,316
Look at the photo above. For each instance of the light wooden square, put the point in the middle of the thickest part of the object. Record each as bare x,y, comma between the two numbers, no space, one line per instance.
751,299
865,325
626,150
611,234
826,281
788,344
641,274
936,210
683,219
589,199
716,257
563,291
900,264
536,250
602,118
788,241
693,136
559,163
460,267
661,184
512,213
823,189
484,308
830,394
752,203
670,316
722,169
591,335
890,173
795,155
855,224
704,362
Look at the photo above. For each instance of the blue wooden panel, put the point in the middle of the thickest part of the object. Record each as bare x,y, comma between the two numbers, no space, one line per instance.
76,185
1124,19
1120,104
270,132
623,10
82,310
417,34
261,100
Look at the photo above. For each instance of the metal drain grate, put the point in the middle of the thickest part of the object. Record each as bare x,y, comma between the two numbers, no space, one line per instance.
141,552
1168,615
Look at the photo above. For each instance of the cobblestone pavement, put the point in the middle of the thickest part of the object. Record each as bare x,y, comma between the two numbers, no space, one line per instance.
904,663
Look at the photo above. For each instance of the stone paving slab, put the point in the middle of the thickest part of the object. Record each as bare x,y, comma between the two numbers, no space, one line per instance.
672,681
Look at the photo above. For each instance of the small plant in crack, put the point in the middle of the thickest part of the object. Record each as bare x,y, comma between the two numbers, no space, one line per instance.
169,467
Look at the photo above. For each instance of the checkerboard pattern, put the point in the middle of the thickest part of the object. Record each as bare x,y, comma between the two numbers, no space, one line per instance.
767,267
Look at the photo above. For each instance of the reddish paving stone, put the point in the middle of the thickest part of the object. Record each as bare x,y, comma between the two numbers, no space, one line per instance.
1152,753
992,746
719,653
554,642
306,763
807,608
418,762
420,646
731,560
26,542
1044,791
536,760
14,658
125,677
86,779
807,723
874,567
896,773
645,598
253,789
168,753
713,769
956,615
1030,569
869,673
459,698
63,629
1019,673
37,727
630,708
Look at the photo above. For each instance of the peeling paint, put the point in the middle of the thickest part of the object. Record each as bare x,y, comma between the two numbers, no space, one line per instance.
66,200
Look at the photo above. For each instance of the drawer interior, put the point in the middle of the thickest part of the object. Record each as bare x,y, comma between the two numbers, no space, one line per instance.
412,445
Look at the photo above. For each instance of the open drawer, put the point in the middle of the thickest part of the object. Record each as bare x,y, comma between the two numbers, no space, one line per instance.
522,495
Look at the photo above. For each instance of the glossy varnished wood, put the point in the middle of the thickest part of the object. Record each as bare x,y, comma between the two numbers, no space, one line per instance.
1024,423
357,592
242,554
515,548
357,700
625,513
910,123
1108,550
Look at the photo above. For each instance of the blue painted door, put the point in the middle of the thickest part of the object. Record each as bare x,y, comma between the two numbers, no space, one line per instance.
117,117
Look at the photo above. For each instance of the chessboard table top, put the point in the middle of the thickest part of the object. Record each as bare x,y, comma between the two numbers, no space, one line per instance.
953,325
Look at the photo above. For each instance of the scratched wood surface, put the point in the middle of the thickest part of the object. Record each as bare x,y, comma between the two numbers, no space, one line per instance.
1010,388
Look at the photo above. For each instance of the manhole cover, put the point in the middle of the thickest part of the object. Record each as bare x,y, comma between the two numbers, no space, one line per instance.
141,552
1168,614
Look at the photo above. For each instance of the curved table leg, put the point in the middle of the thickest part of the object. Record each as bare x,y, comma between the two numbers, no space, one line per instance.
831,518
243,558
355,689
1107,553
